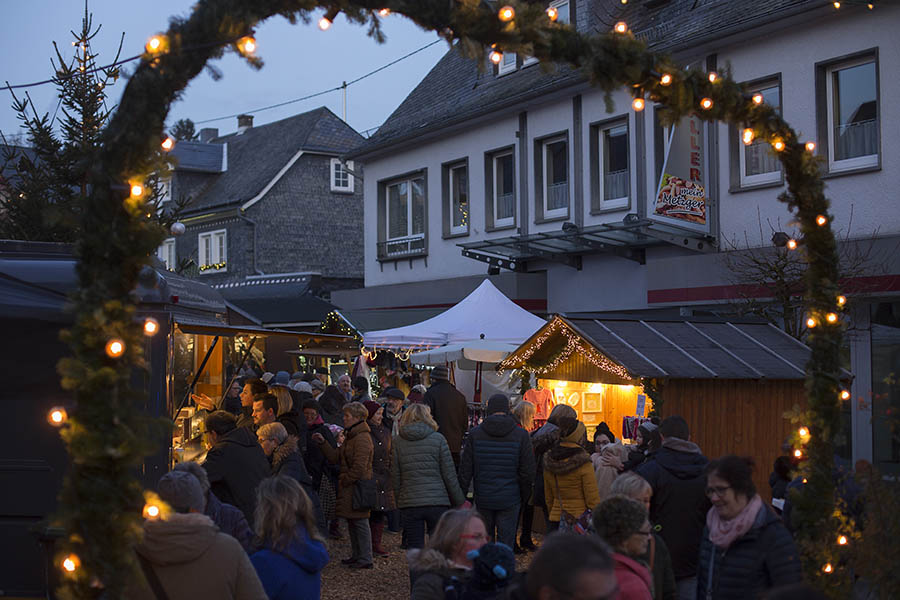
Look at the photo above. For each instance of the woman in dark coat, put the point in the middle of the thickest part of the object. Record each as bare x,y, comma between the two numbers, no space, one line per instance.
381,467
332,401
746,549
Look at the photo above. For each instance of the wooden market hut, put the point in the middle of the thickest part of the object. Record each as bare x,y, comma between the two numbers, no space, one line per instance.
733,381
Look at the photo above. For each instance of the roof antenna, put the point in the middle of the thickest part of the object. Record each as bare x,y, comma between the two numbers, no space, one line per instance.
482,336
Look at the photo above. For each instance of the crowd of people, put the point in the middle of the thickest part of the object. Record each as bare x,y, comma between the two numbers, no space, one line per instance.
290,458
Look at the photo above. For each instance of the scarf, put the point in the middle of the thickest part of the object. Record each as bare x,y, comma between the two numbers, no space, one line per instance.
723,533
319,420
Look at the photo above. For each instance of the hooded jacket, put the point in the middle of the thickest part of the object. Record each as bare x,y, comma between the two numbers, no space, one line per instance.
763,558
633,578
355,460
296,571
422,470
229,519
287,460
451,412
679,504
542,440
235,466
184,550
295,425
499,457
429,571
569,481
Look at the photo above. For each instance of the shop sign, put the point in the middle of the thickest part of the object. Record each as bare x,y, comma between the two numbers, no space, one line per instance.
681,197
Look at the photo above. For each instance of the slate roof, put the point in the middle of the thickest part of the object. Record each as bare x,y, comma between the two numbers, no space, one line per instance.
255,156
277,299
198,157
454,91
379,318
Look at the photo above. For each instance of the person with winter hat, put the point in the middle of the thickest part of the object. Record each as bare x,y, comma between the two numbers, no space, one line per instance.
416,394
679,504
381,468
180,550
622,523
569,483
746,549
499,459
393,409
648,443
449,409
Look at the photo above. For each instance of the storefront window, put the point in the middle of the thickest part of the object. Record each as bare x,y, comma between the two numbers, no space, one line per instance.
885,386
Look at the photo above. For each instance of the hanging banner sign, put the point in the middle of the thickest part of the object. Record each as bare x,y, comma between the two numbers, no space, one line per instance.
681,193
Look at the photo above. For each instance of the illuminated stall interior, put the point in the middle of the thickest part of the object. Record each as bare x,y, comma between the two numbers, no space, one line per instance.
598,402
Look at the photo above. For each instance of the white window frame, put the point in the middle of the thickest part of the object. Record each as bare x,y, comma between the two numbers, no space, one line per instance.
563,211
859,162
558,4
464,228
529,60
505,221
165,190
218,251
620,202
409,209
504,67
760,178
336,168
166,253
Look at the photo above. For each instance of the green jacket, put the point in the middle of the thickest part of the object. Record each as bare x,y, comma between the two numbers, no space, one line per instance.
422,469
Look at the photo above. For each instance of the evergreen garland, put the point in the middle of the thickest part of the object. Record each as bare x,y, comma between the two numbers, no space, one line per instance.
107,436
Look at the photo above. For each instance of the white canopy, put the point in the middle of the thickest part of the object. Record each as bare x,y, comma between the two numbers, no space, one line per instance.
484,314
486,351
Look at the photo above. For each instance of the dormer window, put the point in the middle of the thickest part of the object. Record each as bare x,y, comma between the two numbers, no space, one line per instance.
507,63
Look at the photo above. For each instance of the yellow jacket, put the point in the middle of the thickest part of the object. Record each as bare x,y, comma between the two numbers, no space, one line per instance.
569,481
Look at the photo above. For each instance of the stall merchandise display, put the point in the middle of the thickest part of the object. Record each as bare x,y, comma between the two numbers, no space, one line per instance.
630,426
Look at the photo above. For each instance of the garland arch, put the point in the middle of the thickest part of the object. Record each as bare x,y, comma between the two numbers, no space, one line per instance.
107,436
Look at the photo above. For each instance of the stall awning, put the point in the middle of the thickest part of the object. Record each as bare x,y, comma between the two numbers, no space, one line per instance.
627,239
322,343
674,348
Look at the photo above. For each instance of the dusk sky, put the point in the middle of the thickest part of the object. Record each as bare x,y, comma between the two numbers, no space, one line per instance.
299,60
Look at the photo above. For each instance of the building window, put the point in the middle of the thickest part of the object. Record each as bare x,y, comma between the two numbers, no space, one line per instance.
455,184
552,177
500,188
165,190
610,173
850,112
757,161
213,251
507,63
563,11
166,253
341,179
403,212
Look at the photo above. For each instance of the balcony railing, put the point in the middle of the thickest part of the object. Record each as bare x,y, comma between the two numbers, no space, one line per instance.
558,195
615,185
411,245
856,139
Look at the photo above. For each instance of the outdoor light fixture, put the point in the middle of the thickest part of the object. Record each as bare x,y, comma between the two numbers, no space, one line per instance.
168,144
780,239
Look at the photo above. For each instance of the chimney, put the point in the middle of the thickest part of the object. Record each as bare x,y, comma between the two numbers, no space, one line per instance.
245,122
207,134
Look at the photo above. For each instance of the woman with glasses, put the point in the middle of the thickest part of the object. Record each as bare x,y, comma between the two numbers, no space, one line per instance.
745,548
623,523
445,556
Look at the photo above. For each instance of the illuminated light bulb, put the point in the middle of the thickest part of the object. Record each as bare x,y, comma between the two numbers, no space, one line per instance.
821,220
706,103
836,4
115,348
552,13
778,145
798,453
713,76
621,27
842,540
71,563
828,568
666,79
810,146
870,6
137,190
747,136
831,317
506,14
496,57
168,144
151,511
757,98
803,432
384,12
845,394
57,416
637,104
151,326
792,244
804,480
247,45
154,44
841,300
811,322
324,23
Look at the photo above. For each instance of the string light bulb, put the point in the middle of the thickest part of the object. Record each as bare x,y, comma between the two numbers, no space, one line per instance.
791,244
821,220
151,511
552,13
506,14
247,44
151,326
803,432
665,79
621,27
324,23
831,317
137,190
71,563
778,144
115,348
168,143
757,98
842,540
810,146
845,394
706,103
798,453
804,480
57,416
496,57
747,136
841,300
713,76
828,568
384,12
811,322
155,44
836,4
637,104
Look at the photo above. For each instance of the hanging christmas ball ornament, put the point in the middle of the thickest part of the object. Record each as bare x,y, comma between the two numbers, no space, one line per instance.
177,228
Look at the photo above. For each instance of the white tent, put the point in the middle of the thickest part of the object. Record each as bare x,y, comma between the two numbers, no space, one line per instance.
467,353
484,314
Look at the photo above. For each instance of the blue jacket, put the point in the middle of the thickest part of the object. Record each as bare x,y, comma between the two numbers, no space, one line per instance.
296,572
230,520
499,457
763,558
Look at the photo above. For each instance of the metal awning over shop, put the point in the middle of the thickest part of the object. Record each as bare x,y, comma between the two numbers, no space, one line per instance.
631,349
627,239
317,343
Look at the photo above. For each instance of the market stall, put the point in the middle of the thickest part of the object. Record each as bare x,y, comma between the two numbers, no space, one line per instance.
733,381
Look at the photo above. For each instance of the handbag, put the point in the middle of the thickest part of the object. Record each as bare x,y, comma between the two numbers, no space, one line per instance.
364,494
568,522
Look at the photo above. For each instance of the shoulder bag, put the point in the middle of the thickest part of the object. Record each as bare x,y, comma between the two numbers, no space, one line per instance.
569,522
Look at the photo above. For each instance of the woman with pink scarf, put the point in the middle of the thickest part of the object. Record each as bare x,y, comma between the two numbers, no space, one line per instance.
746,550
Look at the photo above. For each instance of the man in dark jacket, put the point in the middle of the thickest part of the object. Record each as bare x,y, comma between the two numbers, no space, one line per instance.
449,409
235,464
229,519
498,455
679,504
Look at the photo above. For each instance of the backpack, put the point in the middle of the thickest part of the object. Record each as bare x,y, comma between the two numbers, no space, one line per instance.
493,568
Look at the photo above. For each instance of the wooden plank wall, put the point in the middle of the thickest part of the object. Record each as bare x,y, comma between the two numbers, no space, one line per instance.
743,417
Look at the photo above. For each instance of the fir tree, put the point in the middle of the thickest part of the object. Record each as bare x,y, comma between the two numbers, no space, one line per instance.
184,130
